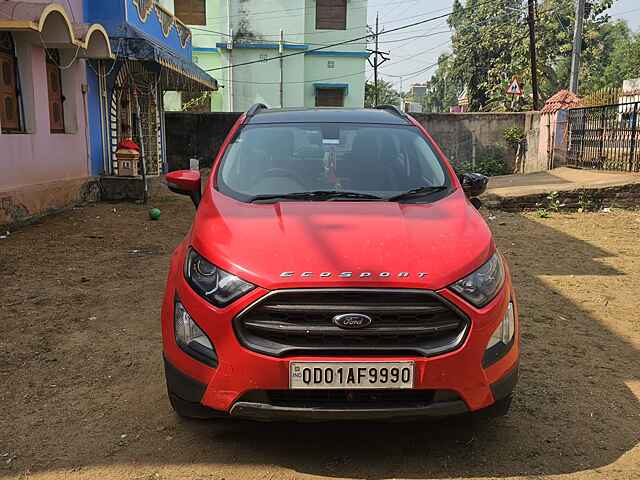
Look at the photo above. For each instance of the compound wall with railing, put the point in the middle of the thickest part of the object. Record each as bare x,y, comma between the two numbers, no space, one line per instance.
604,137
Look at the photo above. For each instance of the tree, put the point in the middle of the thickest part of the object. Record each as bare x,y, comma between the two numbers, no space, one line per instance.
387,95
624,60
490,46
443,88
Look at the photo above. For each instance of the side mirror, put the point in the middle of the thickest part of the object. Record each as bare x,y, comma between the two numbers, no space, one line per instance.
186,182
474,184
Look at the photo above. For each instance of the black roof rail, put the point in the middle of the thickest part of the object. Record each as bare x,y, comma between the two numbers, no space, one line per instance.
393,109
255,109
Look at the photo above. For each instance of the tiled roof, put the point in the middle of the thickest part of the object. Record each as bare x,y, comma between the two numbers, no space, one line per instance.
562,100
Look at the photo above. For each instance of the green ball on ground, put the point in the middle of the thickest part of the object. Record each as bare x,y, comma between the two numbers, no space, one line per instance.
154,214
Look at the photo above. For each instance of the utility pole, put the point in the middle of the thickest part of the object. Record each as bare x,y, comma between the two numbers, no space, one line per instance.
577,47
378,59
532,54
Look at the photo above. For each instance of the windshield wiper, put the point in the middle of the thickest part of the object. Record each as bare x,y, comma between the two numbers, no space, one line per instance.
318,195
418,192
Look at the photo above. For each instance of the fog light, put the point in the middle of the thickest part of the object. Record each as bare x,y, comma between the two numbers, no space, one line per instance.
190,337
502,339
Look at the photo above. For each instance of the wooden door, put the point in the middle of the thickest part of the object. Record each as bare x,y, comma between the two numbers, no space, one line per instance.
329,97
56,108
9,116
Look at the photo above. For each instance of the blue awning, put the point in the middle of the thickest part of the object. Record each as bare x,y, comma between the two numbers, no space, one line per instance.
176,73
337,86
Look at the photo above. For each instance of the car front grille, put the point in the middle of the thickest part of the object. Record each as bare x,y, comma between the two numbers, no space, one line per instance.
300,322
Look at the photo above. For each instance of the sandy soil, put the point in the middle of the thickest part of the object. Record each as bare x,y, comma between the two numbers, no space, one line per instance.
81,383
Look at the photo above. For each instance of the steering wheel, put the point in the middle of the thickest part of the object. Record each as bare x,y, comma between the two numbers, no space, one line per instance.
281,172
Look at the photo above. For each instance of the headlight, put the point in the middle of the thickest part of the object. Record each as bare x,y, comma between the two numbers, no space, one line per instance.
502,338
481,286
190,337
217,286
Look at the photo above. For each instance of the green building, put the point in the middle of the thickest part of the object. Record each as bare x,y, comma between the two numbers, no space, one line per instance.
257,33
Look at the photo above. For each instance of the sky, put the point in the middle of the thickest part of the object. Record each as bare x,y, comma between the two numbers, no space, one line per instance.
412,59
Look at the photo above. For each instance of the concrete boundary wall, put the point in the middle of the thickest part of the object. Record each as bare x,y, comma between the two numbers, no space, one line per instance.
200,135
460,134
195,135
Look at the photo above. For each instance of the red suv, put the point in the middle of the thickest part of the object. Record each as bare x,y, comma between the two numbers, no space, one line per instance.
337,268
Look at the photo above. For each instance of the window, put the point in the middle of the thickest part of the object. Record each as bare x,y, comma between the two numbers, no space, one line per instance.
331,14
191,12
331,64
9,100
54,86
330,97
383,160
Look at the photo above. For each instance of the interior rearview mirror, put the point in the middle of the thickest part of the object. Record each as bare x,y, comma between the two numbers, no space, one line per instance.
186,182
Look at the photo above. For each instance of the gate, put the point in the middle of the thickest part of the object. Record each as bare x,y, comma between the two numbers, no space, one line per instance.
605,137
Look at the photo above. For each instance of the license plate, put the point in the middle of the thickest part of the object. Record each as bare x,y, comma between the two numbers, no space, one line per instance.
351,375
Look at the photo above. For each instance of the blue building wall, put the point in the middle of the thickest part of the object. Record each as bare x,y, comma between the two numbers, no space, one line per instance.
95,127
110,13
122,19
152,30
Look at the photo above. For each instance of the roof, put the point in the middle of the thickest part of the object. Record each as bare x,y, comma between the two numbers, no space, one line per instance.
562,100
180,74
327,115
54,27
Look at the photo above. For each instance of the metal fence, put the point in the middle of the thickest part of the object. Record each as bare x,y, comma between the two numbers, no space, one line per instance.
605,137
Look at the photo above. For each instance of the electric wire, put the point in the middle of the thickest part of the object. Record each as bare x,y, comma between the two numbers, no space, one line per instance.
328,46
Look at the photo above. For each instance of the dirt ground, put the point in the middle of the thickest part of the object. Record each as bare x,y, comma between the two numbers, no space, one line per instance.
82,391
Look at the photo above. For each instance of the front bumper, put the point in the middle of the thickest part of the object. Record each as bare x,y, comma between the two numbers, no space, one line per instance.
241,371
189,393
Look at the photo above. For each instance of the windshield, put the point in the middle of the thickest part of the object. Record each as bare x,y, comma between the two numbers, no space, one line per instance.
374,160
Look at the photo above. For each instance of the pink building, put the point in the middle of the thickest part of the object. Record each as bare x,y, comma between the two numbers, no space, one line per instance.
44,147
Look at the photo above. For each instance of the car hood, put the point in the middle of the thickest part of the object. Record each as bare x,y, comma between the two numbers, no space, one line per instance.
338,244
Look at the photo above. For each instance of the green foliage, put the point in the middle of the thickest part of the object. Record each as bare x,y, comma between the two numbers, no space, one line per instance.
491,45
201,103
387,95
552,205
553,202
543,213
443,88
490,161
585,203
514,136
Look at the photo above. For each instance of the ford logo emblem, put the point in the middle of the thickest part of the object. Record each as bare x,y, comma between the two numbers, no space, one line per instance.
352,321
